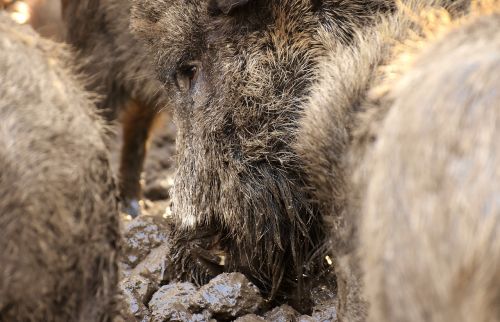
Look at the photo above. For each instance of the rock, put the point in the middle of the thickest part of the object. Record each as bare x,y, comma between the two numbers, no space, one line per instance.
284,313
171,303
141,287
154,266
228,295
141,235
325,289
306,318
325,313
182,315
249,318
156,208
136,291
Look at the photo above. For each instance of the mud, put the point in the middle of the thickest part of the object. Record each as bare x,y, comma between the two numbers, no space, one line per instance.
137,290
228,296
250,318
171,302
141,236
282,313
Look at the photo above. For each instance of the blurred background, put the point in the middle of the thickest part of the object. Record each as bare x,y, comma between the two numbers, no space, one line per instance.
43,15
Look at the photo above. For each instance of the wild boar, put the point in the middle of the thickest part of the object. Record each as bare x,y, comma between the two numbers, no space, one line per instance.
238,73
430,212
399,139
123,75
58,202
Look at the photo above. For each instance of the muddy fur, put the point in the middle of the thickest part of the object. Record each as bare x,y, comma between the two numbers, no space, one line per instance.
240,184
430,242
122,74
58,204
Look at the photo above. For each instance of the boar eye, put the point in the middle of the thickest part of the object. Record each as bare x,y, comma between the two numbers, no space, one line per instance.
186,76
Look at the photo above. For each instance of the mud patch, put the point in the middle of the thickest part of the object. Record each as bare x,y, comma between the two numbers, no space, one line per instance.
282,313
228,296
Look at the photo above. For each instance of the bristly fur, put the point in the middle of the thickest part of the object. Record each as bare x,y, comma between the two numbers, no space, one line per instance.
239,178
121,72
115,60
58,203
430,227
327,127
348,108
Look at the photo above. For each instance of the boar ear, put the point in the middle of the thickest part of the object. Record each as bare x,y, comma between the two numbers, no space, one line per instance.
226,6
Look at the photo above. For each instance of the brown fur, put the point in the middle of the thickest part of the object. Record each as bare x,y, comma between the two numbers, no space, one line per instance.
227,6
406,266
122,75
240,184
430,230
326,131
58,205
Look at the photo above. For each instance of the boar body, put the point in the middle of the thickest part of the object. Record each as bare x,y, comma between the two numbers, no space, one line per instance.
430,214
414,148
122,73
58,204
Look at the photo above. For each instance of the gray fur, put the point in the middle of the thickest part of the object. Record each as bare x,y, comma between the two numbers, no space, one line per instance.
387,139
122,74
279,117
240,186
430,228
58,204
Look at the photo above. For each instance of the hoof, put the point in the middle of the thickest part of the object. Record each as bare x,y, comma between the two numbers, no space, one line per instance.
132,208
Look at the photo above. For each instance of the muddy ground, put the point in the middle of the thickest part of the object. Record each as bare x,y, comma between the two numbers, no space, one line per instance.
147,293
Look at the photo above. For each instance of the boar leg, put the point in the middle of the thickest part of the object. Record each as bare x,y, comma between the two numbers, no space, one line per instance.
138,122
